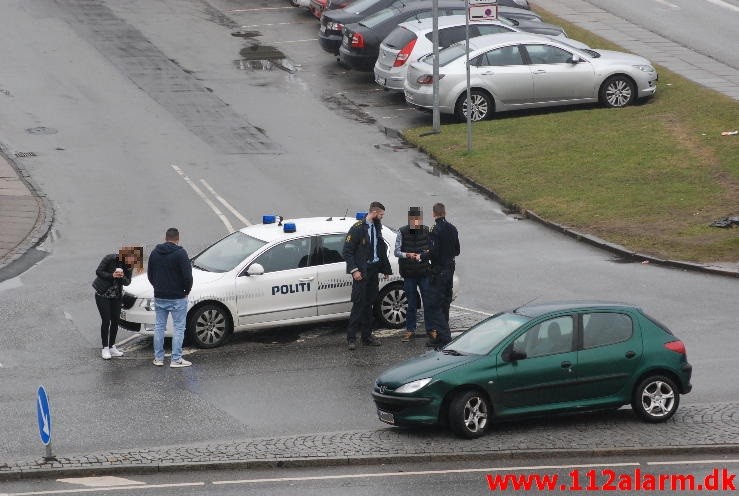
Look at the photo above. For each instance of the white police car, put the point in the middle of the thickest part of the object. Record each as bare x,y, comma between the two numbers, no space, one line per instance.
272,274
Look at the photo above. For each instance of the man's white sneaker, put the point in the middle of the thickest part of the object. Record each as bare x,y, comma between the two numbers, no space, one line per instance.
115,352
180,363
105,353
158,362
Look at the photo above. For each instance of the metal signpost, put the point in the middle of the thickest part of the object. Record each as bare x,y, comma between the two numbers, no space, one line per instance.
478,10
43,413
436,118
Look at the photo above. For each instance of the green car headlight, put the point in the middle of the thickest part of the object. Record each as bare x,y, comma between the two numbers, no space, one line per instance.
414,386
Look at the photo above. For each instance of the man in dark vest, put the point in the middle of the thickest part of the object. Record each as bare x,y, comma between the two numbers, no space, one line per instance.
412,240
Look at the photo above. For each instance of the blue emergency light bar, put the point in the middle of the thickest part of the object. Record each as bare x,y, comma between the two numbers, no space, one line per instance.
269,219
360,215
289,227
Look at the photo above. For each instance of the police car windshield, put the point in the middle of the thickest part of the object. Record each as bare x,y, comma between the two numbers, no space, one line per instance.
227,253
483,337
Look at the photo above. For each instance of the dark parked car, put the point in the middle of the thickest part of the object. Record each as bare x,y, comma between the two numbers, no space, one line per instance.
360,45
540,359
333,21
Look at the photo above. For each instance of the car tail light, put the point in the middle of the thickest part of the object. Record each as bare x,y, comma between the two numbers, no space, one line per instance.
357,40
402,57
428,78
676,346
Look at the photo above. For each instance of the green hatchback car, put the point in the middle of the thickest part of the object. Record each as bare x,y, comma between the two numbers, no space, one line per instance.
538,359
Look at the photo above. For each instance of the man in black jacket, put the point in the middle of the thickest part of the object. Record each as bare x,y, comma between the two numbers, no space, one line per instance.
170,272
443,248
365,253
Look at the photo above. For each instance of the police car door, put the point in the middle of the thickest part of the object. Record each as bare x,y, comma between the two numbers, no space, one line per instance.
287,289
334,284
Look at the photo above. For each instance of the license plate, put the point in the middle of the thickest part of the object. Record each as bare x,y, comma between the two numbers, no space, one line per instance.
123,315
386,417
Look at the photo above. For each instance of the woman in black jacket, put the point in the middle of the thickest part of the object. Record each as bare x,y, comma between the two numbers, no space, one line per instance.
114,272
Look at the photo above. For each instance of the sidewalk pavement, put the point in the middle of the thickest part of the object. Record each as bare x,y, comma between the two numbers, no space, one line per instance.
677,58
711,429
25,216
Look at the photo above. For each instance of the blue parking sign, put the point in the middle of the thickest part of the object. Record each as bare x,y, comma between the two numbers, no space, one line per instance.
43,412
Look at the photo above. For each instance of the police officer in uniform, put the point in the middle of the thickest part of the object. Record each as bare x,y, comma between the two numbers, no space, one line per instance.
365,253
443,247
412,240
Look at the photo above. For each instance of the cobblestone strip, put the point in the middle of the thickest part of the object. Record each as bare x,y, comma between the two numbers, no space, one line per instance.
706,428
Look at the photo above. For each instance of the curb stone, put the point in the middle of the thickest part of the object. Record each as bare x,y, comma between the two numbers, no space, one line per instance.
43,224
276,463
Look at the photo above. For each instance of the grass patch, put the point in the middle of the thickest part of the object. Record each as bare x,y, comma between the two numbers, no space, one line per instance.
650,177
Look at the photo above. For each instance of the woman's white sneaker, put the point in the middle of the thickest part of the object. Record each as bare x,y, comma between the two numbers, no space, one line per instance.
105,353
115,352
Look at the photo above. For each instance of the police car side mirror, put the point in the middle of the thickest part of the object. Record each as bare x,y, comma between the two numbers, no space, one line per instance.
255,269
575,59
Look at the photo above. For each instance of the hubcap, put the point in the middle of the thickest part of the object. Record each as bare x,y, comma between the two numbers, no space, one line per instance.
210,326
618,93
658,399
393,306
479,107
475,414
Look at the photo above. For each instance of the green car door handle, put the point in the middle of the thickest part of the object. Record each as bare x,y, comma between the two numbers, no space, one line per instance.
630,354
566,365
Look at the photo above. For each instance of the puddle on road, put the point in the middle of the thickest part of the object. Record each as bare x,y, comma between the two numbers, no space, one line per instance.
263,58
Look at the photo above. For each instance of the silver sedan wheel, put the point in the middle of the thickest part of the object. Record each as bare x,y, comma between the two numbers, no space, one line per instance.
393,307
211,327
480,106
658,399
618,92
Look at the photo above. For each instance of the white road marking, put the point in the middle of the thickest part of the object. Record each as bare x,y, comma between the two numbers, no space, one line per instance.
293,41
259,9
422,472
723,4
696,462
197,190
274,24
137,487
668,4
471,310
225,203
102,481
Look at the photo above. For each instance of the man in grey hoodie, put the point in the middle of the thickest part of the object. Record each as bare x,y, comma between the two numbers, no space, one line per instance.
170,272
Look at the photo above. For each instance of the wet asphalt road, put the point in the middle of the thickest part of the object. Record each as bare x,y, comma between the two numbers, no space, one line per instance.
133,88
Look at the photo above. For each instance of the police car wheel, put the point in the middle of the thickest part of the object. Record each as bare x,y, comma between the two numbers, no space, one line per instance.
209,326
391,306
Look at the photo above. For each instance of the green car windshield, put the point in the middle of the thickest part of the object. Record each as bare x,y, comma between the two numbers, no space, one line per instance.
483,337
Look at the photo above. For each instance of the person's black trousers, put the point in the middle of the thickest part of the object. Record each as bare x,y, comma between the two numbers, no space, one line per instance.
110,311
440,299
364,294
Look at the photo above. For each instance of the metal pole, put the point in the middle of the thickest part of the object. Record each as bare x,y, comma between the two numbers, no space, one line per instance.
467,65
436,119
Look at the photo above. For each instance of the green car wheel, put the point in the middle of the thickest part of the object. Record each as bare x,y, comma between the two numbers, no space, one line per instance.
469,414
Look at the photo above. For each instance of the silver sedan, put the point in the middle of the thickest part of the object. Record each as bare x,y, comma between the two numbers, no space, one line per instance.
512,71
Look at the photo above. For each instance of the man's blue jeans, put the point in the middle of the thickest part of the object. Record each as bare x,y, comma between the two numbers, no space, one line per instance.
409,286
178,309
